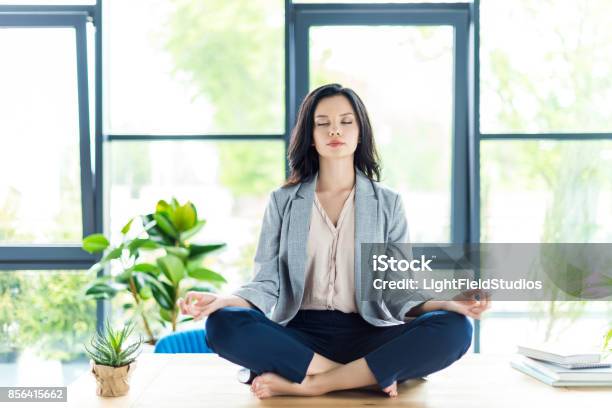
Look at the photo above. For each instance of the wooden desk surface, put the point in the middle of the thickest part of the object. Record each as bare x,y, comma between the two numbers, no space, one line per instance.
205,380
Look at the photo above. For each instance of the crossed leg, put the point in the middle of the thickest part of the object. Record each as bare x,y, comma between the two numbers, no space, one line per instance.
355,374
439,339
319,373
431,343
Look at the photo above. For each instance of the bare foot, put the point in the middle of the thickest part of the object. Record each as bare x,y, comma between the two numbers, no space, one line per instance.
391,390
269,384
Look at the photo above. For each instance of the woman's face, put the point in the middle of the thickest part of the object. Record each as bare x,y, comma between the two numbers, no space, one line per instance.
336,132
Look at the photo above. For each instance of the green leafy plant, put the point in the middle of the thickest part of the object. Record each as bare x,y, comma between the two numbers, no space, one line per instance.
156,264
108,346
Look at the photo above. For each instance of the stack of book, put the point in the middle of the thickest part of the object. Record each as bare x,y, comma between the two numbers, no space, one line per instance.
560,367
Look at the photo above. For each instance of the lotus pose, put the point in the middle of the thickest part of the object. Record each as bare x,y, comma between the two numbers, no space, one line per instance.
301,324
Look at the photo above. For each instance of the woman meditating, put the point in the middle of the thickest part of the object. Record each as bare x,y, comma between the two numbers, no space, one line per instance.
300,324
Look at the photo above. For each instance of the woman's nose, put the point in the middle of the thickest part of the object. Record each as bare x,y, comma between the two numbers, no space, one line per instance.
334,132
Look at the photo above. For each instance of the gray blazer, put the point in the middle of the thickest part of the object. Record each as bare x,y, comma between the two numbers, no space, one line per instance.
280,260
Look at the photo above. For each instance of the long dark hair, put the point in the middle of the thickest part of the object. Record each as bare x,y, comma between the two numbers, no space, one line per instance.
303,157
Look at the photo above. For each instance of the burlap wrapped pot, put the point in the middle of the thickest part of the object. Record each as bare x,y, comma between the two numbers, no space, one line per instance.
112,381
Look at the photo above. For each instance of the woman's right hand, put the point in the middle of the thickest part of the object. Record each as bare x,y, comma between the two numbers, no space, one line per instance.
201,304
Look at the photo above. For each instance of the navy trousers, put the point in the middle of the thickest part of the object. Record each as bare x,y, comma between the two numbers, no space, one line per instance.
427,344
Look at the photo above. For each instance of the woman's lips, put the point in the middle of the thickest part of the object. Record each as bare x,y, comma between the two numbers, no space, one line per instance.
335,144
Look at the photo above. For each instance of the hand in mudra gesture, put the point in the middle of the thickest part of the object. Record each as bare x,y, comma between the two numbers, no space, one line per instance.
201,304
467,304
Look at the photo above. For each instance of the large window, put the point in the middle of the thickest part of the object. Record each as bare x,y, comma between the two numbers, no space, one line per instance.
545,171
46,193
197,114
46,196
409,63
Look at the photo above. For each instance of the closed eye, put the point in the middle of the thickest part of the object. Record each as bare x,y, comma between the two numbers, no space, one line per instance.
325,124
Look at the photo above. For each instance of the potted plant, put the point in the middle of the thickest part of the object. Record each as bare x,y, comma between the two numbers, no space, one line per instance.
155,264
112,360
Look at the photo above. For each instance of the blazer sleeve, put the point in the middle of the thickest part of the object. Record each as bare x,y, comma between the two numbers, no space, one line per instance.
400,302
262,291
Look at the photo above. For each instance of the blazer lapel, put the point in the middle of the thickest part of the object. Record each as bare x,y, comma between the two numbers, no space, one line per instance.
366,224
366,209
299,223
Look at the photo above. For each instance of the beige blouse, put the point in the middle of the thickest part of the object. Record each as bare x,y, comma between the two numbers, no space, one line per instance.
330,269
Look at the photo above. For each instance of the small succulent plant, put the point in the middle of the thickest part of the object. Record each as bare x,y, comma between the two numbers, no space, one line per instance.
108,346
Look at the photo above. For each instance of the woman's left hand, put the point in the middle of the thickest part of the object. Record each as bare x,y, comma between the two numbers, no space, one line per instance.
468,305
